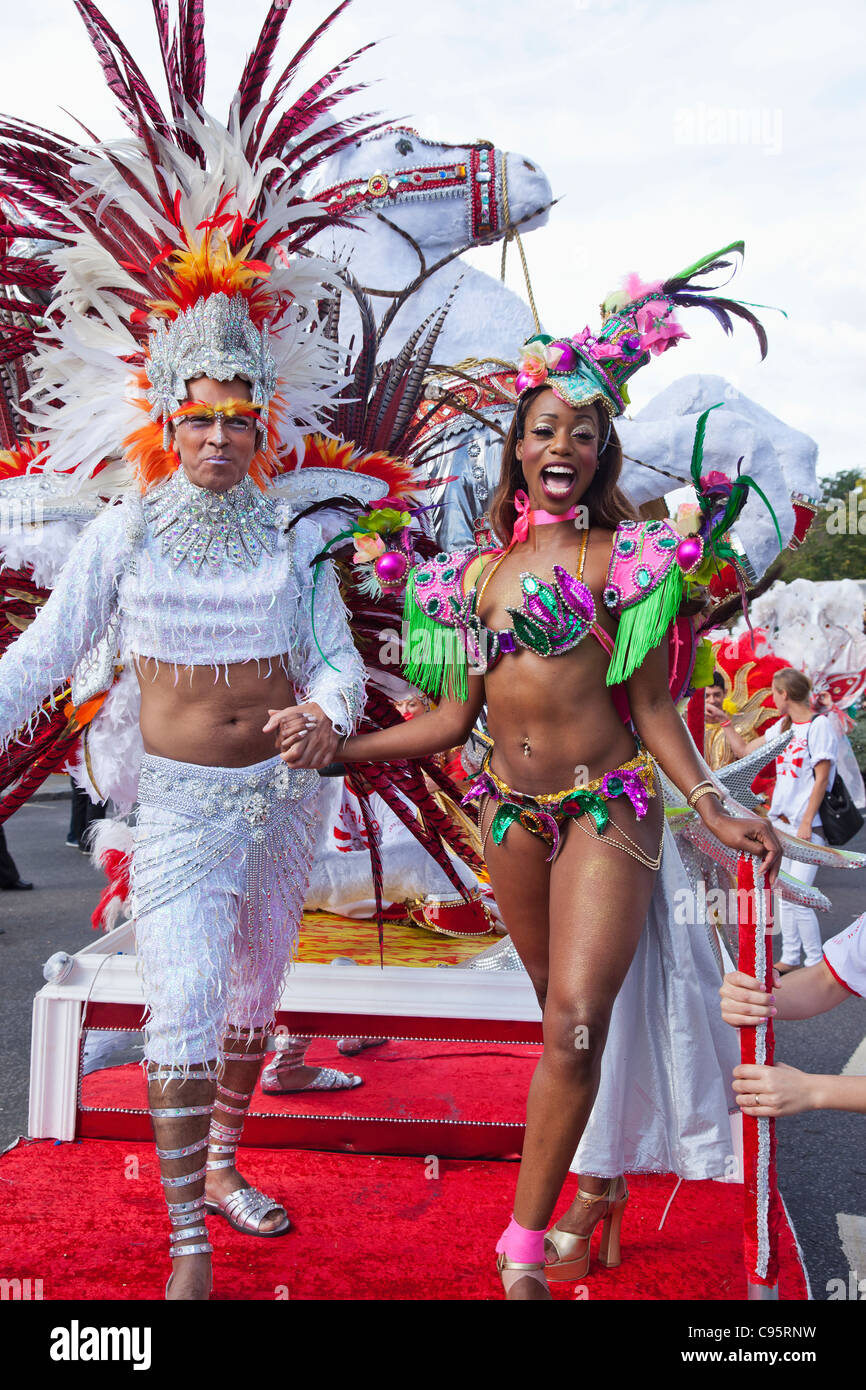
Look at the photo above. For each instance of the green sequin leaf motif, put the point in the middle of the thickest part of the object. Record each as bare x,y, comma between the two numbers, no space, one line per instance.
530,633
506,814
553,618
582,802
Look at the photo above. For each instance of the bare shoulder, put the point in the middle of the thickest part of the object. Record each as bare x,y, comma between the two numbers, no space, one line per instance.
600,538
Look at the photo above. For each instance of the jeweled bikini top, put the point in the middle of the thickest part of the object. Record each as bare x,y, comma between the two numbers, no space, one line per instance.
445,635
553,617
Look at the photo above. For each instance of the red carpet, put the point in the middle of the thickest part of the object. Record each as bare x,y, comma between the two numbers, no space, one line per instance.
88,1220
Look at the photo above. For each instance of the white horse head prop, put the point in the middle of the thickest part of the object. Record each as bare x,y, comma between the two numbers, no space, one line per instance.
419,203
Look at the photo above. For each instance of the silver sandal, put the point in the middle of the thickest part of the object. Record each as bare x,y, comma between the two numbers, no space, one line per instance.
289,1054
244,1208
186,1217
326,1079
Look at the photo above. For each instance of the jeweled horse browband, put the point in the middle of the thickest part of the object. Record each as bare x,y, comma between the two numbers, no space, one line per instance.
479,179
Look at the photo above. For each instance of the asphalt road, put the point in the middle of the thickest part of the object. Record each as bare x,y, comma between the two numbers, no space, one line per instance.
822,1155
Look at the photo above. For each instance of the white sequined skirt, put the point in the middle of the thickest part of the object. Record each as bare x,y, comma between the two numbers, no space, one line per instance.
220,866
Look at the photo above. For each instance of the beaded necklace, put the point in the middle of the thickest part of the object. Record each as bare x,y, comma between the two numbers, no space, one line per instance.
195,524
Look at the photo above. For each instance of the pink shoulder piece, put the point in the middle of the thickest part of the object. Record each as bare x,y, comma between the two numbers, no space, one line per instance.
643,552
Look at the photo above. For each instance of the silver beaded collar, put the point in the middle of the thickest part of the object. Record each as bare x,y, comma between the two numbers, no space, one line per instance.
195,524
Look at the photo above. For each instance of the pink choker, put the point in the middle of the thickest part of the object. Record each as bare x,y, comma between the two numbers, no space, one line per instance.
536,516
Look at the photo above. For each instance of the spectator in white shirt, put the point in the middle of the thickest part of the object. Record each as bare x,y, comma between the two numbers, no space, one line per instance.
804,771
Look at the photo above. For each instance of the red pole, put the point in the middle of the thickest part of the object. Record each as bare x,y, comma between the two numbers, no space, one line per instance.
763,1207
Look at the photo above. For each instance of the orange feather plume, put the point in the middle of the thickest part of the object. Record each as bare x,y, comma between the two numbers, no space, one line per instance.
339,453
25,458
196,272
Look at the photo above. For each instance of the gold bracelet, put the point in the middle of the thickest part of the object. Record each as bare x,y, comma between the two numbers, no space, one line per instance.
700,790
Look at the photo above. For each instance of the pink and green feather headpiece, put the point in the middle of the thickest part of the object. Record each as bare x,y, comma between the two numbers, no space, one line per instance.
638,323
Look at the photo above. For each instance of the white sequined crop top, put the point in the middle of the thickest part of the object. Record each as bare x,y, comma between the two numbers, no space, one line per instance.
193,579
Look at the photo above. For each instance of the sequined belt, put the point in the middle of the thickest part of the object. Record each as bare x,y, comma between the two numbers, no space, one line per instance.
546,812
246,796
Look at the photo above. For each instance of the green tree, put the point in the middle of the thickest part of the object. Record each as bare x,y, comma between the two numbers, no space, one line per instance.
835,547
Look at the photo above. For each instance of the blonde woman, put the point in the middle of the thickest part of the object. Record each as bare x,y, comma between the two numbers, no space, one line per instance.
805,769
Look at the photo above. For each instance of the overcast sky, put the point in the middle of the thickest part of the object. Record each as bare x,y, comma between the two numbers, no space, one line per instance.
667,128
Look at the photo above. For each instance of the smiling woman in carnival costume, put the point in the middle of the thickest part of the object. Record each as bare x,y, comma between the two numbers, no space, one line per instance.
563,634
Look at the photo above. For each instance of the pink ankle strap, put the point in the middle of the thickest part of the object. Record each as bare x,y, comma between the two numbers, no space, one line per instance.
521,1244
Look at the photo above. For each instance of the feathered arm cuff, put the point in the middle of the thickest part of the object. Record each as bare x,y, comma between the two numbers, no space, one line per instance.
41,661
332,667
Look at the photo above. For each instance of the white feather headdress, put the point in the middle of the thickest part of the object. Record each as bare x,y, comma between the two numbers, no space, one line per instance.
142,234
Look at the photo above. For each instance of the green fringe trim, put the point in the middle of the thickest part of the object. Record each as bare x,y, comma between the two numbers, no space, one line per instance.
643,625
435,657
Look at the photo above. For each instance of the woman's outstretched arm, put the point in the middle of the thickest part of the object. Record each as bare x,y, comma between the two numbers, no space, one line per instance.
663,732
448,726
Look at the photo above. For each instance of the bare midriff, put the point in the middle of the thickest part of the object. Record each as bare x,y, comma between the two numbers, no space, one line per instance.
562,708
559,705
211,717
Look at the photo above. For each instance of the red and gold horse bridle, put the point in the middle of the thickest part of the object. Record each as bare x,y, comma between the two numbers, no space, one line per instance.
479,179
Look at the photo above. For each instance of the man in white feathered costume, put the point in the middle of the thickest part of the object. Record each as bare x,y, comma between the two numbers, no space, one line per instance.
179,354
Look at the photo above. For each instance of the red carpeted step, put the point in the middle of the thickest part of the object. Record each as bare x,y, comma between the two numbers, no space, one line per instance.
470,1088
88,1220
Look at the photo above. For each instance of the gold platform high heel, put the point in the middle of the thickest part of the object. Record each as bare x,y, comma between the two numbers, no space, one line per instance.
573,1252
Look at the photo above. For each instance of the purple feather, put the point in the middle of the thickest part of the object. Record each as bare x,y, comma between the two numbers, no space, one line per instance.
322,155
194,54
101,36
167,50
288,73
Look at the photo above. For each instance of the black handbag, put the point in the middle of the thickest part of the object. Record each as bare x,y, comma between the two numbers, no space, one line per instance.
840,818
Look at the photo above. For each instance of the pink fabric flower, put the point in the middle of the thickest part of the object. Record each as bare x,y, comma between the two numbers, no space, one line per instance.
586,340
657,326
715,479
367,547
533,364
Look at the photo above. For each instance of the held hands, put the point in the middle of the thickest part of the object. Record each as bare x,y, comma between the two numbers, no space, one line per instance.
304,735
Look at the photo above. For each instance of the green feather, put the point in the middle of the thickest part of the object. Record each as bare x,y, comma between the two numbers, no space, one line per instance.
644,625
435,657
698,446
739,246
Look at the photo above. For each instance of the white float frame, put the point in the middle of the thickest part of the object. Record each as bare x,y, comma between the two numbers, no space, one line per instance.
105,972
